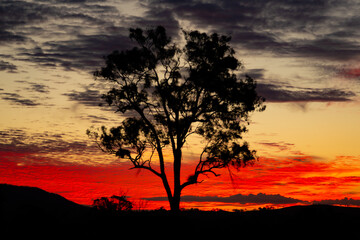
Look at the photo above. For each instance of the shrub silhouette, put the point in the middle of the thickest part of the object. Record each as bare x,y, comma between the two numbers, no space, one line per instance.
113,204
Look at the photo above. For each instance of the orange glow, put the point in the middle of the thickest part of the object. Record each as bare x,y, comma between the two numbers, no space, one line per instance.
304,179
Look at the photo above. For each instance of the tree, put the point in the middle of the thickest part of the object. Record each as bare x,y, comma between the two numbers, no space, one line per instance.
113,204
169,93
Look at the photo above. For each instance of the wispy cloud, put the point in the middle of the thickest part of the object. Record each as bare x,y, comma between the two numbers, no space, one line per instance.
350,72
7,66
18,100
344,202
42,148
88,97
280,93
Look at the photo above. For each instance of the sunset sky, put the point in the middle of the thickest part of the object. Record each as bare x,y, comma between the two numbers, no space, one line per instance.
304,55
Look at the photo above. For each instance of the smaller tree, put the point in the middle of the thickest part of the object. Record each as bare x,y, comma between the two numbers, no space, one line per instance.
113,204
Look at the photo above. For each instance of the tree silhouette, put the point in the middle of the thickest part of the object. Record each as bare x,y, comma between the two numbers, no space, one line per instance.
113,204
167,93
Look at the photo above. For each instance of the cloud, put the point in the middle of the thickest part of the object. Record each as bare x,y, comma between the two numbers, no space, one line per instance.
34,87
85,52
7,37
70,1
286,28
9,67
43,147
260,198
344,202
69,34
89,97
256,73
350,73
39,88
75,35
18,140
278,93
14,14
83,31
18,100
157,15
281,146
326,48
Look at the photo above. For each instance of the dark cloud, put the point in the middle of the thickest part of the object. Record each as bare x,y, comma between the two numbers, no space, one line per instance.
33,86
278,93
157,15
344,202
22,21
32,91
88,97
281,146
39,88
350,72
18,141
256,73
18,100
254,25
325,48
265,25
85,52
83,31
250,39
15,14
260,198
95,119
91,96
286,28
69,1
239,19
48,148
7,37
9,67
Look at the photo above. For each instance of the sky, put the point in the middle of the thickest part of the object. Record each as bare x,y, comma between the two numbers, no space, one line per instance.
304,55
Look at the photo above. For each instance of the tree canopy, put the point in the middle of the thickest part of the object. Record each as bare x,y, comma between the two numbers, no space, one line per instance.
167,93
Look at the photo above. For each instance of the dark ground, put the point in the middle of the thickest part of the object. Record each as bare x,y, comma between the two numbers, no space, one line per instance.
35,209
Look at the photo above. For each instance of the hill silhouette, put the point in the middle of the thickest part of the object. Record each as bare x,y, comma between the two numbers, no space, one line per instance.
20,205
31,205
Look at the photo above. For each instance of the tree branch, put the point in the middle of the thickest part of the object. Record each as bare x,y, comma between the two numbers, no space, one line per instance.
148,168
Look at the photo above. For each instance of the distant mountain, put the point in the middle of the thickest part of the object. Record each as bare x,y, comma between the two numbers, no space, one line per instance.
309,216
21,204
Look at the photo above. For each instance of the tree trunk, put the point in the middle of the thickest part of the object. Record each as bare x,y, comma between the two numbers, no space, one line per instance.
175,204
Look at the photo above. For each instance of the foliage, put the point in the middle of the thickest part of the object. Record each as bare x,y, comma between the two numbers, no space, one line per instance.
113,204
168,93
